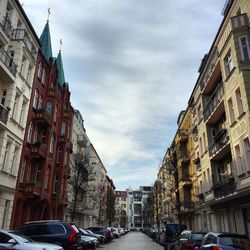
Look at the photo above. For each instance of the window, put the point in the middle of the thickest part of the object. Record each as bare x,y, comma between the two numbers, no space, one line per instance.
63,128
40,102
244,48
40,69
5,214
201,146
239,102
47,178
4,93
35,100
199,113
51,145
56,229
49,108
59,154
28,173
238,160
247,152
43,77
43,137
15,105
204,142
231,111
55,187
6,156
35,138
52,85
228,61
55,114
21,119
23,168
29,74
29,136
14,163
38,174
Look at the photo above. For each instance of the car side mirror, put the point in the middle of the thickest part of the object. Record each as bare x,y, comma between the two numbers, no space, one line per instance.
12,241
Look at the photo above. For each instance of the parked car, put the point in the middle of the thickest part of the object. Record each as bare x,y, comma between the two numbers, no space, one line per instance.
12,240
91,236
61,233
103,231
115,231
100,237
188,240
88,243
224,241
170,234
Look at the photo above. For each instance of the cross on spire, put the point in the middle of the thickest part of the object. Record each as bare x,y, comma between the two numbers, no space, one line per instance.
49,13
61,44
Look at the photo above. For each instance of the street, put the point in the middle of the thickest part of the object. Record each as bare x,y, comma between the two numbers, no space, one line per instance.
132,241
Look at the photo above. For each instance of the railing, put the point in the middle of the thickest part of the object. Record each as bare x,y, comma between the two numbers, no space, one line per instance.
8,61
239,21
184,177
213,102
224,189
183,133
81,141
4,112
21,34
213,58
39,149
187,205
7,26
44,116
220,140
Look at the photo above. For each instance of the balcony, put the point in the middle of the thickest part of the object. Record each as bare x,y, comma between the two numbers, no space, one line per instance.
211,72
6,26
67,114
220,146
31,190
183,135
222,190
43,118
183,157
62,139
38,151
82,141
187,206
239,21
4,113
185,179
7,67
215,106
22,35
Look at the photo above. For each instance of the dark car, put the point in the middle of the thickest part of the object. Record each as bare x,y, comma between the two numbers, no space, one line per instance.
62,233
188,240
103,231
171,233
100,237
225,241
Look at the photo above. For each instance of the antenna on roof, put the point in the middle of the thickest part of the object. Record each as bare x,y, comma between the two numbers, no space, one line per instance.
49,13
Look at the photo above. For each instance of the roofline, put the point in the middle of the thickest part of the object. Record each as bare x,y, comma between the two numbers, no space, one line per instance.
98,156
28,22
209,53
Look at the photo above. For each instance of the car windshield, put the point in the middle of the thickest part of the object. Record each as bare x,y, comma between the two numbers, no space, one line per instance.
83,231
197,237
89,231
237,241
173,228
20,237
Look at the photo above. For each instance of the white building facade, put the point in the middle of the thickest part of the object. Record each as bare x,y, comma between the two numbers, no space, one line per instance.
18,49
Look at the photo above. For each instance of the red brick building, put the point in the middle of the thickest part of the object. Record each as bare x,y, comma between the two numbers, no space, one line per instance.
43,172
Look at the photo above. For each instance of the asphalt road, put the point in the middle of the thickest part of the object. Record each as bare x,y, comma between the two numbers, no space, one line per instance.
132,241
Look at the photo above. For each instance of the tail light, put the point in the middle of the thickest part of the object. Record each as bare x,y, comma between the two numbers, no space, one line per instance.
189,245
216,248
73,236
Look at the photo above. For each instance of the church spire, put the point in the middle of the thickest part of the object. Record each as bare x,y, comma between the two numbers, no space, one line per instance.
59,65
45,40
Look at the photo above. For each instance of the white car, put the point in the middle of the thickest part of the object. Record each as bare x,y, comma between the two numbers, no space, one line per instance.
11,240
115,232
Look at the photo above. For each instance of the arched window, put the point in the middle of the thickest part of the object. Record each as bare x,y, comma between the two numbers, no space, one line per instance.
35,139
35,100
23,168
40,69
51,145
29,132
43,77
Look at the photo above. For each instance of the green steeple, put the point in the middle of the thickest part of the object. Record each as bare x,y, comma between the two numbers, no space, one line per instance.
46,42
60,70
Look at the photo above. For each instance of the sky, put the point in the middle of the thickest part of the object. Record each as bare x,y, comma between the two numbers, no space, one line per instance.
131,66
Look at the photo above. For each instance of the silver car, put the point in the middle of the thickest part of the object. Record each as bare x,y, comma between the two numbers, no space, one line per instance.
12,241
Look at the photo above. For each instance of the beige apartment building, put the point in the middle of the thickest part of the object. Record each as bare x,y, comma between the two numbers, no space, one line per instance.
209,157
18,49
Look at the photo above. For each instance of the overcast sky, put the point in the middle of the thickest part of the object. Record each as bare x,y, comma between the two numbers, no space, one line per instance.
131,67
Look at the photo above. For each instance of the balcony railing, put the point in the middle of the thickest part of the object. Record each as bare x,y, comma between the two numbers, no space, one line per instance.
214,101
187,205
81,141
21,34
7,61
38,150
43,117
239,21
4,112
224,189
183,134
31,190
220,140
7,26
